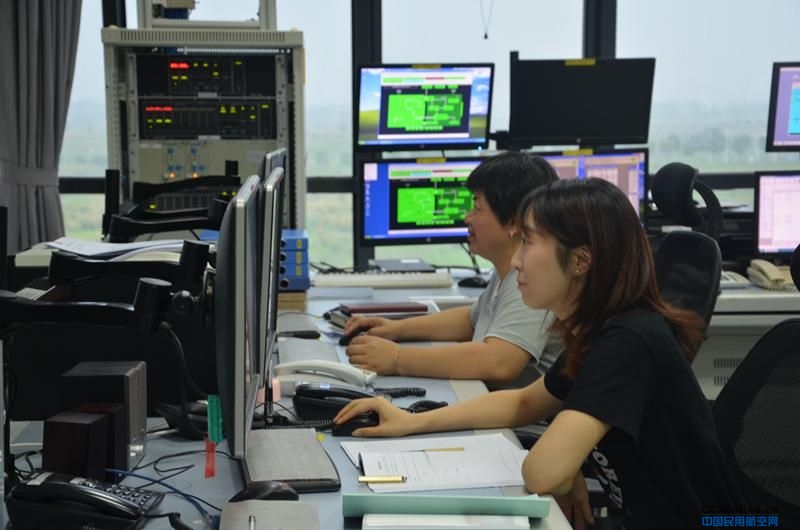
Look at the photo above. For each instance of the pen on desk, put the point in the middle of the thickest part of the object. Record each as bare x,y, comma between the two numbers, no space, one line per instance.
251,522
385,479
436,449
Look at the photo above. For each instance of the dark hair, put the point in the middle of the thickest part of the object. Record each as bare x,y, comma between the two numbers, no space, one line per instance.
506,178
597,215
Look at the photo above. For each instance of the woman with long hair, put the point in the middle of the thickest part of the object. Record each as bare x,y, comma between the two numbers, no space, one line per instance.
622,394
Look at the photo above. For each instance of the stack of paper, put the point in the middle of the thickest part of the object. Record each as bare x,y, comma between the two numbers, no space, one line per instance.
452,462
96,249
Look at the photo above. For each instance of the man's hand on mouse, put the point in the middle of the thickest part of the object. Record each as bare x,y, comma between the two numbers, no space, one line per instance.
376,326
373,353
394,422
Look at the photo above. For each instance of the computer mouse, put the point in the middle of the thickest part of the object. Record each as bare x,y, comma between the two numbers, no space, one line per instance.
266,490
369,419
473,281
345,339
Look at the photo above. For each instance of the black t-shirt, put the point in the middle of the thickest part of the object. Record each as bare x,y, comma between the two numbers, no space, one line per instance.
660,462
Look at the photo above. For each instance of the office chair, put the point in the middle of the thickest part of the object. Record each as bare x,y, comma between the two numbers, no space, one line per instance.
757,416
689,265
672,188
794,267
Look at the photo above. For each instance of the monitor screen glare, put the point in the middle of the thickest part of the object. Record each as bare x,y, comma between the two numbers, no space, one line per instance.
405,107
778,212
415,201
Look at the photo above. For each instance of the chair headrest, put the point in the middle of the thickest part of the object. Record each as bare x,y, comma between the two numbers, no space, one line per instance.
794,267
672,192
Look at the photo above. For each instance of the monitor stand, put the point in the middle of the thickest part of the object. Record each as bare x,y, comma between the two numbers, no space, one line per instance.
402,265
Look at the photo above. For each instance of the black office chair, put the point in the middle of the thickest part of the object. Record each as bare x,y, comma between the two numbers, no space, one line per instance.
689,265
672,187
757,415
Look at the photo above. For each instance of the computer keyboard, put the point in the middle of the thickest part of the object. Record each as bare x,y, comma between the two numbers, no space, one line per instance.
384,280
732,280
291,350
291,455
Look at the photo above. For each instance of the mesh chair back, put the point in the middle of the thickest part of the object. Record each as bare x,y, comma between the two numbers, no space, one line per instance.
757,415
689,267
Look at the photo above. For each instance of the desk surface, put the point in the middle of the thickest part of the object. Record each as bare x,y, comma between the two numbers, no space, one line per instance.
228,479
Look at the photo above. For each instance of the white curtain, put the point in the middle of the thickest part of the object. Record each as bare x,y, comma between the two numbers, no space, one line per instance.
38,43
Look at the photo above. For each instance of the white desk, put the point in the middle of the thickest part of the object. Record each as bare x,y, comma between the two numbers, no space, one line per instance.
741,317
229,475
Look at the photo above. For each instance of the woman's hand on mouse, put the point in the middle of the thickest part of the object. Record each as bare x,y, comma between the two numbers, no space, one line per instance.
376,326
393,421
373,353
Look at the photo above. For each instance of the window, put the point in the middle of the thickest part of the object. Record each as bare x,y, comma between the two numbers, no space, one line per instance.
713,74
479,31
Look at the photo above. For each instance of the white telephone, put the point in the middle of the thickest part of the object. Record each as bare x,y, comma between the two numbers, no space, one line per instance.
319,371
768,276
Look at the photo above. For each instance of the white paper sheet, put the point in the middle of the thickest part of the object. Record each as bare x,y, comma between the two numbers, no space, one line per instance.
485,442
445,470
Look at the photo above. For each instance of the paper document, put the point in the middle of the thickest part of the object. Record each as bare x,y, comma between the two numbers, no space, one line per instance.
440,470
96,249
484,442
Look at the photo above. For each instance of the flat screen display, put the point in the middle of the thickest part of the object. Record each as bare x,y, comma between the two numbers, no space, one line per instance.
783,123
418,107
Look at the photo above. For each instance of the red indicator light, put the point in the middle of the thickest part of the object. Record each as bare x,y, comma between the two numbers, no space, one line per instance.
178,65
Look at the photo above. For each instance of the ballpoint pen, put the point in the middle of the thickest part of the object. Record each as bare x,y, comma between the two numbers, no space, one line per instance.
251,522
385,479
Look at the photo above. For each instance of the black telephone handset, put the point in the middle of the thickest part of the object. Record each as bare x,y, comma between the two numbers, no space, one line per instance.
47,497
321,401
98,500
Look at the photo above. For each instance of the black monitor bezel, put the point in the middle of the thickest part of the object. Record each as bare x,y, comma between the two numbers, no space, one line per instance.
525,142
643,199
782,256
773,104
436,146
358,211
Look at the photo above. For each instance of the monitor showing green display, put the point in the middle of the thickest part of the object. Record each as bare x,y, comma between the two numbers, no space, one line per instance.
406,201
411,107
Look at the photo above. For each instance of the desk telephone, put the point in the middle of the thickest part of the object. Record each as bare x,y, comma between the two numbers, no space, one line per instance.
55,500
322,401
319,371
764,274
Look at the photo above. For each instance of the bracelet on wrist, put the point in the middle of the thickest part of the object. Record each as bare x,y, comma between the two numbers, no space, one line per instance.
397,360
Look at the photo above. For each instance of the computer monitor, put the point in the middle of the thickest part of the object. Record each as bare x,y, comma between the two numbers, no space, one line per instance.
586,102
625,168
270,192
783,122
777,213
236,318
277,158
417,107
408,201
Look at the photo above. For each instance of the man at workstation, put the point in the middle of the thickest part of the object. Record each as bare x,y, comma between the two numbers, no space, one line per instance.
498,339
623,393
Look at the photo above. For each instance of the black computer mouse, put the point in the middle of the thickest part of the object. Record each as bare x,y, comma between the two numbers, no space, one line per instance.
473,281
266,490
369,419
345,339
